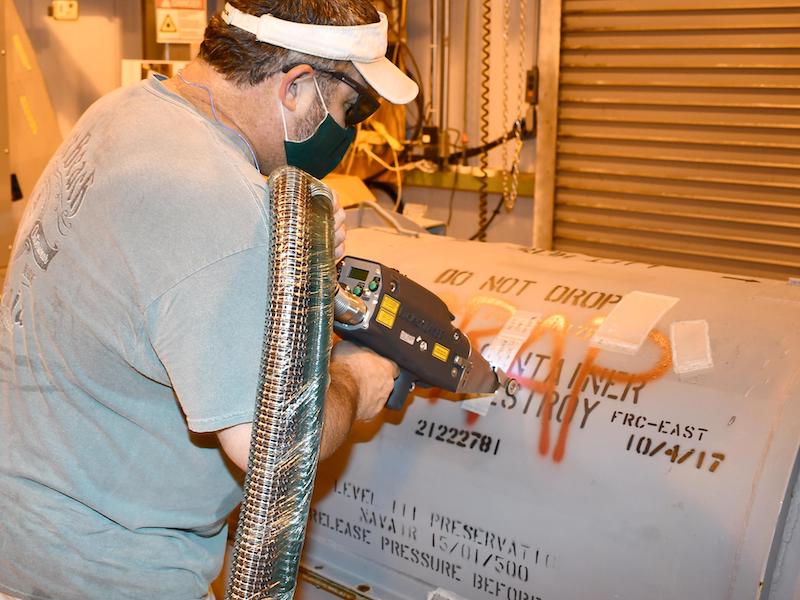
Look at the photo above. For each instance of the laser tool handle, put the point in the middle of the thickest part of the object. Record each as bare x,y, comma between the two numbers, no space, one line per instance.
403,386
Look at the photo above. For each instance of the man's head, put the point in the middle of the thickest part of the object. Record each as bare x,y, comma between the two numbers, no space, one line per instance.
305,58
241,58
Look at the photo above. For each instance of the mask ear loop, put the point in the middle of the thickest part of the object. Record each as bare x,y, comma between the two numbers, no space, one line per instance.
283,118
325,116
216,118
321,97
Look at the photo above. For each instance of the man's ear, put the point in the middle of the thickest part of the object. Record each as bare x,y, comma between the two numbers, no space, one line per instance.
288,89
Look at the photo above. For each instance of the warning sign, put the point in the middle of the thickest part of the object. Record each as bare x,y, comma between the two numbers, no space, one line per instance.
180,21
168,25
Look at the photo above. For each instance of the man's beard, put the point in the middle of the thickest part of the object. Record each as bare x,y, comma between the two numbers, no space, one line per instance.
308,125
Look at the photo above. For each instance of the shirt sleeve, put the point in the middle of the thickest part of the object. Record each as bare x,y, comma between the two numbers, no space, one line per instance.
208,332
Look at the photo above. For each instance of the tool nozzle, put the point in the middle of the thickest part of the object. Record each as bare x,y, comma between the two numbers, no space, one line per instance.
510,384
348,308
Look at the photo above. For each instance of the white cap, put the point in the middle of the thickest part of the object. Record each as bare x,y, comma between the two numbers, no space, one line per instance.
363,45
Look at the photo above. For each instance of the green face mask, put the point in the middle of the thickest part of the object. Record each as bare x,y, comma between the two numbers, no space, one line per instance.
323,150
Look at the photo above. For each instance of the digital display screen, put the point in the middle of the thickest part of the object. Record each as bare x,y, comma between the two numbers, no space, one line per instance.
360,274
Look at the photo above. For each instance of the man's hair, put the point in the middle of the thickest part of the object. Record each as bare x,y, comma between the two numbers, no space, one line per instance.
242,59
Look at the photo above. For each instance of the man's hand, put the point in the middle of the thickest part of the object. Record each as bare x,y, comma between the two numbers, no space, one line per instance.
361,381
374,376
339,230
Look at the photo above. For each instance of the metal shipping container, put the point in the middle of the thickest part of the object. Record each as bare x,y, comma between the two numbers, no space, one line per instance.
661,484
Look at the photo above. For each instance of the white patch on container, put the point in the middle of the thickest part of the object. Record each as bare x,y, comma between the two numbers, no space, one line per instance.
442,594
407,337
691,346
625,329
794,281
502,351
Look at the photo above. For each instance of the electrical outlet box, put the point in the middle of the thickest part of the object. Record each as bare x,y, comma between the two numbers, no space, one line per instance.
430,143
435,145
63,10
532,86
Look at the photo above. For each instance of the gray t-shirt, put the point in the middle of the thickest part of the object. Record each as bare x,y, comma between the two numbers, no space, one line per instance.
133,306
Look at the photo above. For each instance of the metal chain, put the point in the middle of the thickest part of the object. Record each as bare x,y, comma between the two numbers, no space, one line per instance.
486,40
510,200
506,28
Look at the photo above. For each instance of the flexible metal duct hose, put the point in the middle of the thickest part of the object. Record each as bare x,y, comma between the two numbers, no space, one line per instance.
284,448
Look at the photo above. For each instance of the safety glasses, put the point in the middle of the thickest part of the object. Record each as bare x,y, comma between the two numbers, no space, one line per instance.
366,103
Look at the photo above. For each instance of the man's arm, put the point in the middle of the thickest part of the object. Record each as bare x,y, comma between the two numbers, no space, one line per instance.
360,384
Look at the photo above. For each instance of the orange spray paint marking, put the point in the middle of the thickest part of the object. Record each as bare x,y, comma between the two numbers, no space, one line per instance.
572,399
572,403
434,394
473,308
478,303
659,370
557,324
471,417
561,329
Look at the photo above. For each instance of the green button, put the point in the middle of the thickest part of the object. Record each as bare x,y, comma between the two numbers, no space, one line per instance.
373,285
358,290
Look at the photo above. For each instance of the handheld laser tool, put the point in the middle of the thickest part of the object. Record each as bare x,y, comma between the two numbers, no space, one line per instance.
379,307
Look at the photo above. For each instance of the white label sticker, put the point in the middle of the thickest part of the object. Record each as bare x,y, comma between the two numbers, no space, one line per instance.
502,351
407,337
626,328
691,346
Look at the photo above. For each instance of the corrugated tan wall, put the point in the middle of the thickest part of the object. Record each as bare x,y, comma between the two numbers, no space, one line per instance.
679,133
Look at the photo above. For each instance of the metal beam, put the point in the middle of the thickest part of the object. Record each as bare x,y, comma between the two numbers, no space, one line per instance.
549,60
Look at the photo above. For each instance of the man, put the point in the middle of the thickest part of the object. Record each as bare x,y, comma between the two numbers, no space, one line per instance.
132,316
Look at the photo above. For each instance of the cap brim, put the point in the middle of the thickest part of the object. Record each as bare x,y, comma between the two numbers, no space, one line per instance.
389,81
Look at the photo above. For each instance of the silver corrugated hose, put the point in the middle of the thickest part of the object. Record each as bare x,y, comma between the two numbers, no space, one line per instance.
284,449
